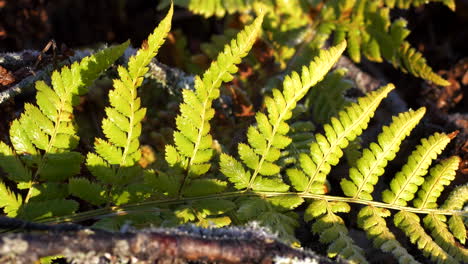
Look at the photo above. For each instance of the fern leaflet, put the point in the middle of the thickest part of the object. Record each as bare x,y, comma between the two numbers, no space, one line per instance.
374,159
269,137
405,183
44,136
193,139
327,150
114,163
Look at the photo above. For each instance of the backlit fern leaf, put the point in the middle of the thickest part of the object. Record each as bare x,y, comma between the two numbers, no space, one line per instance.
327,149
193,139
9,201
209,8
268,138
405,4
375,158
442,174
405,183
458,197
372,220
117,155
367,27
44,136
409,223
332,229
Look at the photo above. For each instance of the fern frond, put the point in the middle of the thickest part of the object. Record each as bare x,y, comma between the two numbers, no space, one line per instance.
43,209
117,155
414,63
269,137
405,4
327,149
326,99
9,201
458,197
44,135
122,126
369,31
300,133
12,165
442,236
205,213
209,8
372,220
193,140
372,163
439,176
332,230
406,182
274,213
409,223
84,189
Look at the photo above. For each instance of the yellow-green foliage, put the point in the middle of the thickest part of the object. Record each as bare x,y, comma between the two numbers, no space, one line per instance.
269,181
43,139
365,24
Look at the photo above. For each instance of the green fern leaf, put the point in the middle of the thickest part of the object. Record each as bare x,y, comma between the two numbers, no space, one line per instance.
44,135
12,165
372,220
269,137
209,8
326,99
405,183
200,187
442,236
43,209
116,158
332,230
274,214
374,159
9,201
84,189
327,151
193,141
457,198
405,4
442,174
48,191
409,223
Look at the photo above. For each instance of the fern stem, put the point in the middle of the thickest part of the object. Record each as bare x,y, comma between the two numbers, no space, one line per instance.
138,206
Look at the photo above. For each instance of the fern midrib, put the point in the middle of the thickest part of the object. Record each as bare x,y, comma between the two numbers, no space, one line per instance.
384,154
420,164
429,192
52,137
148,57
208,100
425,237
130,130
341,137
273,133
135,206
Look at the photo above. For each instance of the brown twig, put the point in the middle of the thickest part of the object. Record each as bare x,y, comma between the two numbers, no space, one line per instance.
181,245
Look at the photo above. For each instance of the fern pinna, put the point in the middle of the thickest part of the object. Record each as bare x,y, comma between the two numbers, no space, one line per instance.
43,139
268,183
296,33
